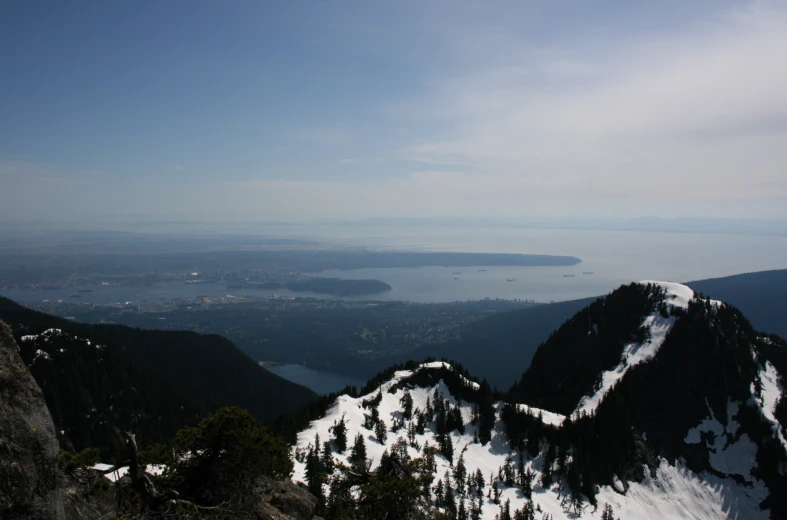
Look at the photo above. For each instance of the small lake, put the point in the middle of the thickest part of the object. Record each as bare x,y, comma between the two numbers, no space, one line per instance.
316,380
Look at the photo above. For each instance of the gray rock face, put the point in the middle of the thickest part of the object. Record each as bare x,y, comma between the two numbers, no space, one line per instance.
283,500
28,442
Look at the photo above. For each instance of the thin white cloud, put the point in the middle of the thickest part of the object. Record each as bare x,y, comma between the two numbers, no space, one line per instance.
703,114
349,160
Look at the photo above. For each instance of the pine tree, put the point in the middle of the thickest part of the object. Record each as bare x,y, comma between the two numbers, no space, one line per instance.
462,513
486,420
327,458
380,432
508,471
546,475
527,483
358,455
439,494
505,511
315,477
420,423
407,405
339,430
399,449
450,500
475,513
460,474
479,482
341,503
608,513
496,492
526,513
447,447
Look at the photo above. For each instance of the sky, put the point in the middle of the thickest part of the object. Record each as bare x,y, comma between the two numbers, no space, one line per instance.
345,109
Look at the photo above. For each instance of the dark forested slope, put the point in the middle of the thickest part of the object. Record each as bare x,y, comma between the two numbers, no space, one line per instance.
641,378
97,377
760,296
500,346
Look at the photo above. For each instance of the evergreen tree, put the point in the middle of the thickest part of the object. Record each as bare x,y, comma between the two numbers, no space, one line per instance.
450,500
420,423
315,476
327,458
475,509
486,418
546,472
339,430
526,513
439,494
380,432
462,513
505,511
608,513
460,474
454,420
447,447
508,471
358,455
479,483
399,449
496,492
407,405
341,503
527,483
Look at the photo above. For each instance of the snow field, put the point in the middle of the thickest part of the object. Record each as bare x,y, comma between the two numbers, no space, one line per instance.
675,492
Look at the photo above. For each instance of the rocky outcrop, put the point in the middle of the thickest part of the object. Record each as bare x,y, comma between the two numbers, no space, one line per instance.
283,500
28,442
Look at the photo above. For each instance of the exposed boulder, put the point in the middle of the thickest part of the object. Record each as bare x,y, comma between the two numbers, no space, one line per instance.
28,442
283,500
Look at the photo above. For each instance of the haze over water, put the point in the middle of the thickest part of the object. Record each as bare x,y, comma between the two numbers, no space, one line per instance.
614,258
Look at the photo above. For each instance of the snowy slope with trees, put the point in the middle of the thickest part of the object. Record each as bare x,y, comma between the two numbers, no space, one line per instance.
450,446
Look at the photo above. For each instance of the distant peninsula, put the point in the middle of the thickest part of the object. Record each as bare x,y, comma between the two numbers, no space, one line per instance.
322,260
319,285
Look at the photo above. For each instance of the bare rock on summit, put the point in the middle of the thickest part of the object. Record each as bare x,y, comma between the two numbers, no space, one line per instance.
28,442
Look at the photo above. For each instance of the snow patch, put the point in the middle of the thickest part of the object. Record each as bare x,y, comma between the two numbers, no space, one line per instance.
771,392
547,417
727,453
678,295
118,473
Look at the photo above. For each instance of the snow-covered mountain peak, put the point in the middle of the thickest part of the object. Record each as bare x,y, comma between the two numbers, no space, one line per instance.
687,423
677,294
403,417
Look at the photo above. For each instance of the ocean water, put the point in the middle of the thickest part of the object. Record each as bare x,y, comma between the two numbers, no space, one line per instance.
613,258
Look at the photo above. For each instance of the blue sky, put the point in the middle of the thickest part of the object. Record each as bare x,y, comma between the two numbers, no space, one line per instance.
354,109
